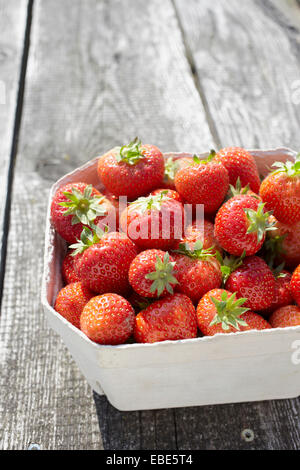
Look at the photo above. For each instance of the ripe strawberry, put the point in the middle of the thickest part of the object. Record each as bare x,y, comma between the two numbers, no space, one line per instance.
172,165
241,225
154,221
68,269
219,312
71,300
76,205
285,317
151,274
283,244
281,191
254,281
170,193
197,270
240,164
104,261
108,319
282,292
171,318
132,170
295,285
202,231
204,182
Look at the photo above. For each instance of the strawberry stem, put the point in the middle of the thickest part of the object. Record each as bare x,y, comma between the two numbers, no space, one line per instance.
163,276
131,153
290,168
259,221
229,311
197,252
84,207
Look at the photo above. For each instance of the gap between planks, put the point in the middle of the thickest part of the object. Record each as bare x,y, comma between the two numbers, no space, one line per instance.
14,144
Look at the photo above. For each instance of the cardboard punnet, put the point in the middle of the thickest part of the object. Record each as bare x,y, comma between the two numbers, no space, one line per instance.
241,367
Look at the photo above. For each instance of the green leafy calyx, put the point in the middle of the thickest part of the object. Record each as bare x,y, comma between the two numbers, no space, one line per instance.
229,310
229,264
197,252
171,167
84,207
202,161
290,168
163,276
259,221
88,238
144,204
131,153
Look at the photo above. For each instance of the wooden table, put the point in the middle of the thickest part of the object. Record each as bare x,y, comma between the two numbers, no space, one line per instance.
76,78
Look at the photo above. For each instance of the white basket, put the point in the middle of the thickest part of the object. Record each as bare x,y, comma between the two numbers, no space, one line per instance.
229,368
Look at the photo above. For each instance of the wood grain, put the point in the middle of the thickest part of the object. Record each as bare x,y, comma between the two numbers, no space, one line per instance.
99,72
248,66
12,27
247,63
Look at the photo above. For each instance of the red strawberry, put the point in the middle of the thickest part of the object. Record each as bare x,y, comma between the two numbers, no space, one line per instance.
240,164
281,191
204,182
151,274
154,221
197,270
284,243
68,269
171,318
132,170
104,262
241,225
202,231
172,165
285,317
295,285
282,293
76,205
171,194
255,281
71,300
219,312
108,319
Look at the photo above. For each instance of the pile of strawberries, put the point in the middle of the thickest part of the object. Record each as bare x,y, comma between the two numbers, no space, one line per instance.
139,270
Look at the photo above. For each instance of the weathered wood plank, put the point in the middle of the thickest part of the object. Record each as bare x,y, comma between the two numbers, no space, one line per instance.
99,73
248,67
246,58
12,27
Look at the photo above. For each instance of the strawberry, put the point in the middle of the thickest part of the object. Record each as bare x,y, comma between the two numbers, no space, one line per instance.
76,205
154,221
282,293
280,190
132,170
254,281
151,274
286,317
170,318
104,260
170,193
283,244
219,312
295,285
204,182
241,225
68,269
203,231
108,319
172,165
240,164
71,300
197,270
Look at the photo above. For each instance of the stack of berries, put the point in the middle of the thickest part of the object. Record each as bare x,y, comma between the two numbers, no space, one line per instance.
141,269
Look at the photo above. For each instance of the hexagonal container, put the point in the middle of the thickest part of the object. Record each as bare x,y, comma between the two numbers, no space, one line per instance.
240,367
